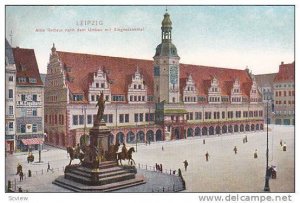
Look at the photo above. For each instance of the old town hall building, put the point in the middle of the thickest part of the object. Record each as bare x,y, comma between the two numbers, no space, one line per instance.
147,100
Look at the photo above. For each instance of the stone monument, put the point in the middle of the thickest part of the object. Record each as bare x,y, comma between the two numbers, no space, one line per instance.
96,173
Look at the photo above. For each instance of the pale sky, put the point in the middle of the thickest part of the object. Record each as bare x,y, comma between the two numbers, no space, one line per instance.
259,37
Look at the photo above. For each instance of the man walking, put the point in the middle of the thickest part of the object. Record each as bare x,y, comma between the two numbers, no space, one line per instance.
206,156
235,150
185,164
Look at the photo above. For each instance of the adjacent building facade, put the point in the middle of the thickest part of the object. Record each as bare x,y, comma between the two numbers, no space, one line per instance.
265,86
10,107
29,100
147,100
284,95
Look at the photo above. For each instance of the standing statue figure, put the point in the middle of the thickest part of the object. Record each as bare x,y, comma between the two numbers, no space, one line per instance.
100,104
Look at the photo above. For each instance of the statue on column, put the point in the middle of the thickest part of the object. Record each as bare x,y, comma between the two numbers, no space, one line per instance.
100,104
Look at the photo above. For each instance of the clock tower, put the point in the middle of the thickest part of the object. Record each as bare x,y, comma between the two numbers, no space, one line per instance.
166,66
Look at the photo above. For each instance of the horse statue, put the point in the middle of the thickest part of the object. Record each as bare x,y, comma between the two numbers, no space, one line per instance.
75,153
125,154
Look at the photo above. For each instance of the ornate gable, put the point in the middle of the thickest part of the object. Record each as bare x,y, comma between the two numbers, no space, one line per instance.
137,90
190,91
99,84
236,95
254,93
214,91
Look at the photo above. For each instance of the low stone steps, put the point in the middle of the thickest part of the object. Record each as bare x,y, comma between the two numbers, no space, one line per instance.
78,187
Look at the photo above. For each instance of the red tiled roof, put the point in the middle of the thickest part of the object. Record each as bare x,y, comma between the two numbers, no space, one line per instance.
120,70
27,66
286,73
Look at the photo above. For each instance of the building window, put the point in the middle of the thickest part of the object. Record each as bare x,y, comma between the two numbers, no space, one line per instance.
75,119
121,118
102,85
110,118
107,97
78,97
34,128
23,97
136,117
11,126
97,85
126,118
32,80
11,78
10,110
34,112
10,93
141,117
207,115
89,119
34,97
198,115
92,97
23,128
81,119
118,98
22,80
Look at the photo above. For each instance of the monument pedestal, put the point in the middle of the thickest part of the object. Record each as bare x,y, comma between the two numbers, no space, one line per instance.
95,174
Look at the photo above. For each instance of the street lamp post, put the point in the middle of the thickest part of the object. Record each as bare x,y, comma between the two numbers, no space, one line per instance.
136,137
267,187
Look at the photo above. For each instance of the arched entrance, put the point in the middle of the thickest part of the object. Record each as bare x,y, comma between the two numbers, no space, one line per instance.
57,139
252,127
177,133
120,137
130,138
247,127
236,128
218,130
230,130
204,131
150,136
241,128
224,129
211,130
261,126
158,135
257,126
190,132
197,131
140,136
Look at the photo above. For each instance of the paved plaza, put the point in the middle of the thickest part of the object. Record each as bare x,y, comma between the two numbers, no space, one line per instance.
224,172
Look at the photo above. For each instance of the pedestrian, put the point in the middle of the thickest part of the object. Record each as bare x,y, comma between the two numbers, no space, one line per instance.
246,139
19,168
146,142
48,167
206,156
284,147
235,150
156,166
255,154
162,148
149,142
281,143
161,168
21,176
185,164
203,141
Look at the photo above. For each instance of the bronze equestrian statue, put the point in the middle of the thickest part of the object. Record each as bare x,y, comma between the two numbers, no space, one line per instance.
75,154
125,155
101,105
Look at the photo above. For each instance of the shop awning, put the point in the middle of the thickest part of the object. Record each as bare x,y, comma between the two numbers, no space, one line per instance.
32,141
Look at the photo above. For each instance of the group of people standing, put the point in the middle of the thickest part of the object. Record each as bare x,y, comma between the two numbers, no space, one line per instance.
158,167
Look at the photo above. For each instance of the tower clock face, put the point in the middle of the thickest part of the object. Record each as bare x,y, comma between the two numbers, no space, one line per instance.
173,74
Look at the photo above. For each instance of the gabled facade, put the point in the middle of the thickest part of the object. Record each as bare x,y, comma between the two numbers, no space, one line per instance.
10,99
147,100
29,100
284,95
